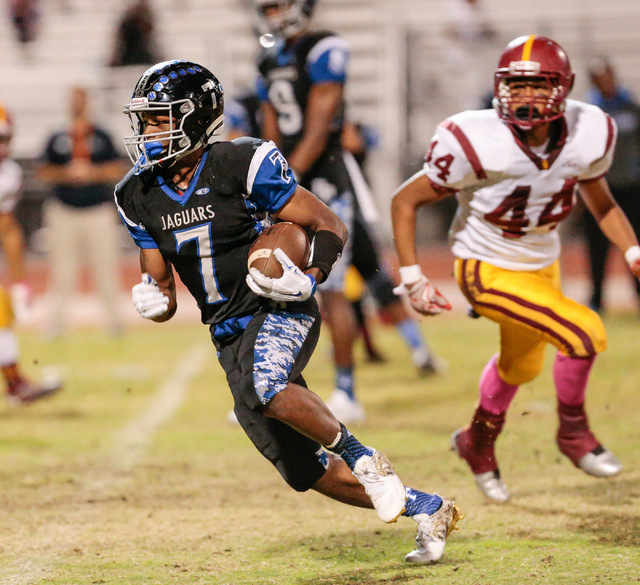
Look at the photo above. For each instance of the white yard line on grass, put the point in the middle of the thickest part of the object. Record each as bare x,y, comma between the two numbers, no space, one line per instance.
133,440
129,445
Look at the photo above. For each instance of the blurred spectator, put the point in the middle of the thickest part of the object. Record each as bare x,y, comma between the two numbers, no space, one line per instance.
25,15
19,390
469,49
135,42
624,174
82,166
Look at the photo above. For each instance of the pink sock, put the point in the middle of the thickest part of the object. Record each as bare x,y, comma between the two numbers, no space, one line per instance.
571,375
495,393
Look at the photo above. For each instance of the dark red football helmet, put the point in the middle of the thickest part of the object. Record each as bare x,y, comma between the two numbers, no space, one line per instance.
532,58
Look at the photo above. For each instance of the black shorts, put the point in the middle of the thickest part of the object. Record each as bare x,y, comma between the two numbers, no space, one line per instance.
271,352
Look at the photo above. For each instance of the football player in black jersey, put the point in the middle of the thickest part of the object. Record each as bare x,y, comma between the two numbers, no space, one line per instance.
197,207
301,86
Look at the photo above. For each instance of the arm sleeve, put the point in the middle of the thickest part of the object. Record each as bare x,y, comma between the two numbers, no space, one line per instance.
446,164
261,89
270,182
599,167
136,229
328,60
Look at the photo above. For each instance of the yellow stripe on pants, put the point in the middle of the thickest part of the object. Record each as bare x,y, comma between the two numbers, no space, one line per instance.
532,311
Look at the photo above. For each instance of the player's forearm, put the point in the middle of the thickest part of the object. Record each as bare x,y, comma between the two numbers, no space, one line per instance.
153,263
406,201
403,216
324,102
611,219
615,225
308,151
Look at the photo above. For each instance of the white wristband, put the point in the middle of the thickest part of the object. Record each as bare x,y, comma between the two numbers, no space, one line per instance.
410,274
632,254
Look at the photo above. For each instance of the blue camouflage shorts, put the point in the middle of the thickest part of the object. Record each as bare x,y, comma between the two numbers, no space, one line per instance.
271,352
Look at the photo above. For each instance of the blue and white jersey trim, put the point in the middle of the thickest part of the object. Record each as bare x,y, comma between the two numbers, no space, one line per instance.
328,60
270,182
277,346
137,231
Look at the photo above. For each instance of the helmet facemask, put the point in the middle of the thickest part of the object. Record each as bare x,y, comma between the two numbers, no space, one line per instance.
185,133
540,107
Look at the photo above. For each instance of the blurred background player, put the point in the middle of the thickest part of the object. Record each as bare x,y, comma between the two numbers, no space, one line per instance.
301,87
82,165
623,176
515,170
367,266
20,390
367,272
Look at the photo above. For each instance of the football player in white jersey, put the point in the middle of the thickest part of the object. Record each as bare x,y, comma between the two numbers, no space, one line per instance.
20,390
515,171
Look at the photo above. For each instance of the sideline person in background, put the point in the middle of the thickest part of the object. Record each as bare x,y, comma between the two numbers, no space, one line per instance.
82,165
515,170
25,15
135,42
196,207
19,390
623,176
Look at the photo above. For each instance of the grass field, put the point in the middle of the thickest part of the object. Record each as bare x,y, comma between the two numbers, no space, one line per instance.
133,475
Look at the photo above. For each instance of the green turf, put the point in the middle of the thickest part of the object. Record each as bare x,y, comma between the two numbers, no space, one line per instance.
199,505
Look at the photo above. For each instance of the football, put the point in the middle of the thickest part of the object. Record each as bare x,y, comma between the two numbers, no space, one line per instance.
289,237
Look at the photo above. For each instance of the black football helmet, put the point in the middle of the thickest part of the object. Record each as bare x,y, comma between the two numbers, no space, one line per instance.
193,99
295,17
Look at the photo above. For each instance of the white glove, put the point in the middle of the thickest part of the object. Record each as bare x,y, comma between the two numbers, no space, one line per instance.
424,297
632,255
21,300
293,285
148,299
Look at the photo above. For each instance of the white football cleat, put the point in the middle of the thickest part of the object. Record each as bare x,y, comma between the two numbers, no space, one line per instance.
433,531
345,409
489,483
492,486
382,485
26,391
232,419
600,463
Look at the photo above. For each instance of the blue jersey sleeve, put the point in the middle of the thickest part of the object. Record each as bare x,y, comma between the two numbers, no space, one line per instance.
328,60
261,89
140,235
270,182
